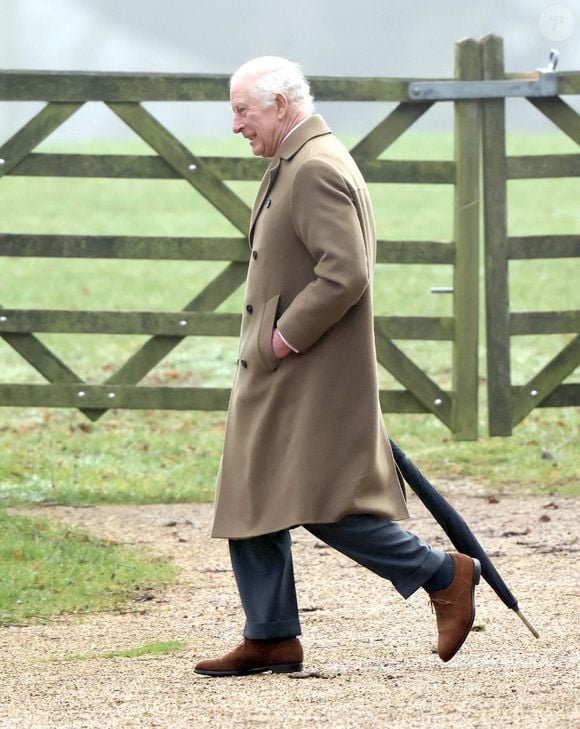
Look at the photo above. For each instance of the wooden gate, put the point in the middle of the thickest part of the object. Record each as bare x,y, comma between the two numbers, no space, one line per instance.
122,93
510,403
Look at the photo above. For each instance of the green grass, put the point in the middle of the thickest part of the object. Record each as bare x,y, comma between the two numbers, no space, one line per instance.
151,649
128,457
172,457
541,457
49,570
147,457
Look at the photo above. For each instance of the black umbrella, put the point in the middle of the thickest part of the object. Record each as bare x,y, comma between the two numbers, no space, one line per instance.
456,529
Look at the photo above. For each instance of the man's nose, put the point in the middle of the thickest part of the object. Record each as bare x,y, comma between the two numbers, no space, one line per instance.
237,125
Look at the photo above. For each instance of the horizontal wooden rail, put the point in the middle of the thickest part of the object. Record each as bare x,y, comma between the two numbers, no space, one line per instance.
566,395
191,249
86,86
81,86
179,323
529,247
105,397
187,323
91,86
332,88
422,172
544,322
543,166
131,166
149,167
124,247
415,251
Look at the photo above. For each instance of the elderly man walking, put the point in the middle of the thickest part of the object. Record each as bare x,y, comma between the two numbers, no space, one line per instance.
305,442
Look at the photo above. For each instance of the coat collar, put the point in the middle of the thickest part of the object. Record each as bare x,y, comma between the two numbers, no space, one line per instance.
314,126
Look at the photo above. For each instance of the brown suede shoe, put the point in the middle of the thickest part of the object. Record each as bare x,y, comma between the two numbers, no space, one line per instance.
455,606
256,656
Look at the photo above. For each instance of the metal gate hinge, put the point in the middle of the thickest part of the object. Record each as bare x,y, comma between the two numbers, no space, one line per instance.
545,85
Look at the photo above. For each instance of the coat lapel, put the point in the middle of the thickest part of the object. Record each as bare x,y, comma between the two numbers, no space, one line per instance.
314,126
265,187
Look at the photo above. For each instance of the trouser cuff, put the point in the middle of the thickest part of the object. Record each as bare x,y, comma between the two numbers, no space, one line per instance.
412,583
279,629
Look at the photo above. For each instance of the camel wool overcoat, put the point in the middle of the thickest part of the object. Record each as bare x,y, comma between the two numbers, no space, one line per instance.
305,440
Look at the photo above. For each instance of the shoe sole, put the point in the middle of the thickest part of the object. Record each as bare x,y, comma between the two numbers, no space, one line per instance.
281,668
474,581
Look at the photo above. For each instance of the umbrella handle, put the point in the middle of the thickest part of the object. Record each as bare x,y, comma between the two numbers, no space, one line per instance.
527,623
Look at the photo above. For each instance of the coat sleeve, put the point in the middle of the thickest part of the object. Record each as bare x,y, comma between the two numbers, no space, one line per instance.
326,220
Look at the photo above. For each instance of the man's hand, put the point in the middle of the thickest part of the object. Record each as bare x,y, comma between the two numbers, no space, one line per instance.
281,349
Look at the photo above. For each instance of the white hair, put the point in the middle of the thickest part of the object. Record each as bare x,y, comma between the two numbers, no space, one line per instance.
273,75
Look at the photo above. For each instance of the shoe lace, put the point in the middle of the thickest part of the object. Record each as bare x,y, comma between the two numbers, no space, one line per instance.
434,601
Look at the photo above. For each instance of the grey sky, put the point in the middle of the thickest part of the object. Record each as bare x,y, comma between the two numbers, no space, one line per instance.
328,37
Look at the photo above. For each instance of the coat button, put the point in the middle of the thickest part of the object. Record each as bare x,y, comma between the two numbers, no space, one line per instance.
243,363
254,255
249,308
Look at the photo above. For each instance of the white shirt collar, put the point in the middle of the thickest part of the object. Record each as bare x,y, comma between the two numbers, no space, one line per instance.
294,128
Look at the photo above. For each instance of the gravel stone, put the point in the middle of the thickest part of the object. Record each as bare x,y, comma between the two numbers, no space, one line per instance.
369,657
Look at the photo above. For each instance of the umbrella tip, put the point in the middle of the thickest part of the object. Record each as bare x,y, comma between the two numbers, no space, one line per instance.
527,623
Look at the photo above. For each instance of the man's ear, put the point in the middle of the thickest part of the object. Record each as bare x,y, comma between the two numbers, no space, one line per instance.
282,103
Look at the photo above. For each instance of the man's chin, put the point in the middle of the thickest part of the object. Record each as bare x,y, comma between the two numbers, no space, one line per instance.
257,149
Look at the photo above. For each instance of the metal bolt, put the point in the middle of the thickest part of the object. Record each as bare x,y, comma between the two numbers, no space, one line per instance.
3,318
81,393
192,168
183,323
534,393
438,402
414,90
111,396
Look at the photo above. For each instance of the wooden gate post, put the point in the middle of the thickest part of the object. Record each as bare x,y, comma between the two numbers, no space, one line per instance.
496,246
466,237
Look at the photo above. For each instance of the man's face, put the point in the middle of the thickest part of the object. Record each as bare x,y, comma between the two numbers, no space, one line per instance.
261,125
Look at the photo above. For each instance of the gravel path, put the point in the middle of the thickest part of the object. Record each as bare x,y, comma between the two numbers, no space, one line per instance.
369,654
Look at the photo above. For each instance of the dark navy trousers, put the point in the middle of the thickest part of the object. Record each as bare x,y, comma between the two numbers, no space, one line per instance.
265,577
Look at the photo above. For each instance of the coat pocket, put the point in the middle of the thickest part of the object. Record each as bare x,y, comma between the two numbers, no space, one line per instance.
267,324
